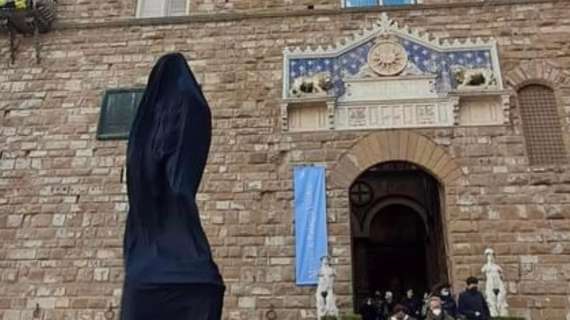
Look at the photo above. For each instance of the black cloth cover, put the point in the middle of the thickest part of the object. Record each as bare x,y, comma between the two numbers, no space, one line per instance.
169,270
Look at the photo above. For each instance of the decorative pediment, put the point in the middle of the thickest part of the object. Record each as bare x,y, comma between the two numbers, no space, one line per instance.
386,26
389,62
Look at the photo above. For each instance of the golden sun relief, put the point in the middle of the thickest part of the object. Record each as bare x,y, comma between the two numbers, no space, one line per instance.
387,58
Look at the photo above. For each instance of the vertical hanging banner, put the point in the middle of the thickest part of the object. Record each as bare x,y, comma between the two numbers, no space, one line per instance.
310,222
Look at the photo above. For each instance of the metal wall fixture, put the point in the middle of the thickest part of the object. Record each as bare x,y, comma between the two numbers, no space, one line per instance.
110,313
27,17
37,314
271,314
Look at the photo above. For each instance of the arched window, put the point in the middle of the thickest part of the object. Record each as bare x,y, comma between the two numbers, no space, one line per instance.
541,125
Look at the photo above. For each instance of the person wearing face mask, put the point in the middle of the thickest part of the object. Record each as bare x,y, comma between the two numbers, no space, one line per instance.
412,303
472,304
447,301
400,313
436,311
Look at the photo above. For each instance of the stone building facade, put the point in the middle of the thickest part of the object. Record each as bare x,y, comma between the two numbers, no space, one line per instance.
501,182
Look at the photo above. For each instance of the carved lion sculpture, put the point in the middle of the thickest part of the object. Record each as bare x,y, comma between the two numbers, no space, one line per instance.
473,78
318,83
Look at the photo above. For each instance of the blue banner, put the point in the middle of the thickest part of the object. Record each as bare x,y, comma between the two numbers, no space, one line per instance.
310,222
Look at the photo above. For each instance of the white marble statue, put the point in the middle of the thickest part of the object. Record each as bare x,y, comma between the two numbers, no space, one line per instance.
495,290
326,300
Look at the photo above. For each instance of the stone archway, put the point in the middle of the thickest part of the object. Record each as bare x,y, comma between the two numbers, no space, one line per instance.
392,147
392,201
536,71
397,145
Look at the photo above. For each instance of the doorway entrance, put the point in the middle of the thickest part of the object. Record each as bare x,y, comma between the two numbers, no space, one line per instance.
397,231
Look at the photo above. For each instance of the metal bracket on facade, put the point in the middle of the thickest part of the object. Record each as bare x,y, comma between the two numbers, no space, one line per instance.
14,43
13,47
33,18
331,109
37,46
34,21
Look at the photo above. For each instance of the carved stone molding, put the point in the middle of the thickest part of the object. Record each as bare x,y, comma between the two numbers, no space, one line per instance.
395,114
386,25
379,147
366,81
318,110
506,104
494,107
539,70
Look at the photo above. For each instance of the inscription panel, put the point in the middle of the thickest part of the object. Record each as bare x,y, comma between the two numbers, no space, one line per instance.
397,88
396,115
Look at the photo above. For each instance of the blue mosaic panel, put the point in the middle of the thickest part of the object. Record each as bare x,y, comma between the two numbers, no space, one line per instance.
309,67
470,59
350,64
427,60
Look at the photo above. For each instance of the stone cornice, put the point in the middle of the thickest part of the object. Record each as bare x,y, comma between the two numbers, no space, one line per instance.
384,26
228,17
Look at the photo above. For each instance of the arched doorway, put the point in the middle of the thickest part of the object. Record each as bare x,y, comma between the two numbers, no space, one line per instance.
397,231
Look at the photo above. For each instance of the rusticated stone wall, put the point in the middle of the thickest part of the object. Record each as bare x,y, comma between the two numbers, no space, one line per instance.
63,201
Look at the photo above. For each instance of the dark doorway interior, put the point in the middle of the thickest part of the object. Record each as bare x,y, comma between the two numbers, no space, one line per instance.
397,230
396,251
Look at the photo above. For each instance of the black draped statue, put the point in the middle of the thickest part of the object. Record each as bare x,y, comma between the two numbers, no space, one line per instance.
169,270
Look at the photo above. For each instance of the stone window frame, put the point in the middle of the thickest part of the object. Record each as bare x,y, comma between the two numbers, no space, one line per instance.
559,113
139,9
547,73
379,4
101,134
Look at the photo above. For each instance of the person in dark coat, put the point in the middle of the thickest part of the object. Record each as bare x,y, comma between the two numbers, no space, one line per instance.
368,310
169,269
413,304
389,304
447,301
472,304
378,306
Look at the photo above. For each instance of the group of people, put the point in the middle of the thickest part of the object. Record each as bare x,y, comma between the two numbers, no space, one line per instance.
439,305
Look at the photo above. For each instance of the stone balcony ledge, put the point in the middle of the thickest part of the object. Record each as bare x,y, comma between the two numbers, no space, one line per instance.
282,13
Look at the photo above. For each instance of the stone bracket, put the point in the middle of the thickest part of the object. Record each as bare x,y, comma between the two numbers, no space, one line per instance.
503,98
322,107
